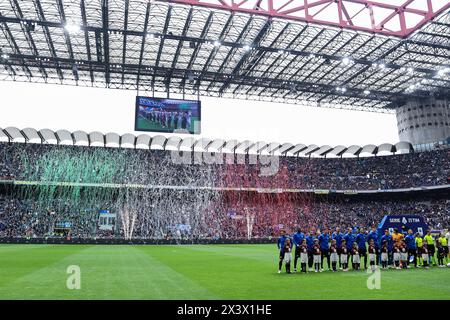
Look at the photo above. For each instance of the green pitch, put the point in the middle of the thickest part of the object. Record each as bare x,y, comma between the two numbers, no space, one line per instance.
193,272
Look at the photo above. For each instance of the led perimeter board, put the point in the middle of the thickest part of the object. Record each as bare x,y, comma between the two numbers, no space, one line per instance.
167,115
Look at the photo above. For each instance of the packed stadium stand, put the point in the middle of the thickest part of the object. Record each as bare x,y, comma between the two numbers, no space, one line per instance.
50,178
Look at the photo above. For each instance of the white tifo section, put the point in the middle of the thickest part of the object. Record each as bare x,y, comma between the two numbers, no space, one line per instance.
108,110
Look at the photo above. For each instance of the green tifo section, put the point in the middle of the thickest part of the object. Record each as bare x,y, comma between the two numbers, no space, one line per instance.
194,272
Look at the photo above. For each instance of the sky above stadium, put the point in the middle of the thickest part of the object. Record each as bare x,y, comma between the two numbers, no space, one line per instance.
106,110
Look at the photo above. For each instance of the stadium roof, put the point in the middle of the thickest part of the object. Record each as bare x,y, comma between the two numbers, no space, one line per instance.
357,54
174,143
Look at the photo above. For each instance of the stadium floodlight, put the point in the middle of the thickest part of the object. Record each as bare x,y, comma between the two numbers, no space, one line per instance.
72,27
346,60
380,65
442,72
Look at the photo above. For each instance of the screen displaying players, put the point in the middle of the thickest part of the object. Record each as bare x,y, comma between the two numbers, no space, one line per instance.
167,115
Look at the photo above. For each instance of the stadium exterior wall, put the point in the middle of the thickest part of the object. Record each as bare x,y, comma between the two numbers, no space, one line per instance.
421,122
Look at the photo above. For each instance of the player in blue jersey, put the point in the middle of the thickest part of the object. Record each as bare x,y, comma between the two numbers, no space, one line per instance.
373,235
310,244
297,240
324,242
361,242
281,246
389,244
411,248
338,236
349,240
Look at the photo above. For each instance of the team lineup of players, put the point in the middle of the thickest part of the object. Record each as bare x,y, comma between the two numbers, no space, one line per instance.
397,250
171,120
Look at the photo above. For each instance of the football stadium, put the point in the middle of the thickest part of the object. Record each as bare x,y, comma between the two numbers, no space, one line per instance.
162,207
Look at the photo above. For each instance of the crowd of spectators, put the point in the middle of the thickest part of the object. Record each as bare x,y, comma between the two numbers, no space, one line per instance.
254,216
123,166
192,195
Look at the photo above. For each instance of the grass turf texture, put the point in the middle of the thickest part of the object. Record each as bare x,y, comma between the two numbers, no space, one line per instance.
194,272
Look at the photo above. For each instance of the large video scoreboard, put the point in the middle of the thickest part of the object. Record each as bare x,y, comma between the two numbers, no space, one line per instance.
168,115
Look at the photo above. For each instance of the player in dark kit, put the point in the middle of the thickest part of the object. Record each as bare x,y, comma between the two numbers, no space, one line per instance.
411,247
338,236
389,245
356,259
344,256
396,251
303,255
440,254
287,254
324,242
334,256
372,254
373,235
425,255
384,255
280,245
310,244
316,255
349,240
361,242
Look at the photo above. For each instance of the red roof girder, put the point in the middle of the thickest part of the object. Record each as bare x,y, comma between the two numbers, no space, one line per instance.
389,19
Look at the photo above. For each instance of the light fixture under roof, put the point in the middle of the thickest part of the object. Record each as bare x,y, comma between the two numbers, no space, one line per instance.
442,72
346,60
72,28
217,43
